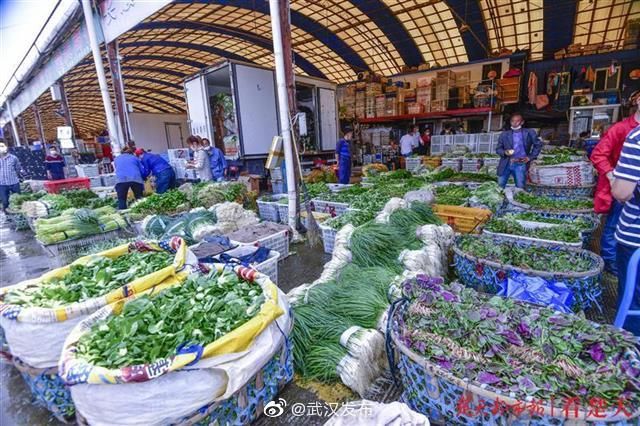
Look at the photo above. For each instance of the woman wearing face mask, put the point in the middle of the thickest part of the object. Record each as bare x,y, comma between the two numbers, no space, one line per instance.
54,163
200,161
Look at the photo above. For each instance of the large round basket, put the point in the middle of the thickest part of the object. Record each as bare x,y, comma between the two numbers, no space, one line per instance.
48,390
447,399
490,276
561,192
586,234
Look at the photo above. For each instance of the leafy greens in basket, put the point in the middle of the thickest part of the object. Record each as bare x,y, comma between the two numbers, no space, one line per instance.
151,327
519,349
97,278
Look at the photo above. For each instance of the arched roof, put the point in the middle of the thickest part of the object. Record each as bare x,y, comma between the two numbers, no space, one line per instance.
334,39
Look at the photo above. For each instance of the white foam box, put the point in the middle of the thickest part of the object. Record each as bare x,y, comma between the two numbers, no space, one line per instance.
178,154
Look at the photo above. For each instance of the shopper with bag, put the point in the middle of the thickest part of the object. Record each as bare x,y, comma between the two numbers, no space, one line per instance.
517,147
604,157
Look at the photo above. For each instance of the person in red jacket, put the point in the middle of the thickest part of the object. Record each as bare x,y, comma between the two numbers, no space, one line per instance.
604,157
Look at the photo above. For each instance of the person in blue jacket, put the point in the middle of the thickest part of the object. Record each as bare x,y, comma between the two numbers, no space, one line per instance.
517,147
157,166
343,156
129,171
216,160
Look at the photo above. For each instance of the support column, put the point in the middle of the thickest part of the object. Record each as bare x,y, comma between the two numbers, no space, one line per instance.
64,103
23,129
36,114
118,90
102,80
14,128
283,107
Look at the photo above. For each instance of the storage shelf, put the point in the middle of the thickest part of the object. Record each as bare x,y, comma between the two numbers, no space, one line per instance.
462,112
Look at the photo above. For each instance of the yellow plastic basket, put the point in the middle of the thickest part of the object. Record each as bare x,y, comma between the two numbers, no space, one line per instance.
462,219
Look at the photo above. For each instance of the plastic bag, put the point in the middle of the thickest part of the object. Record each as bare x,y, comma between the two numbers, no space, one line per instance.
369,413
554,294
391,206
425,195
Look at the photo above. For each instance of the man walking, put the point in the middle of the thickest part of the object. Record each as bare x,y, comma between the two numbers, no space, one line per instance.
10,170
517,147
625,189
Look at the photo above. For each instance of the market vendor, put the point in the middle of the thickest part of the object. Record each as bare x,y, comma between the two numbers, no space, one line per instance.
200,162
54,163
343,156
425,143
625,188
409,141
216,160
517,147
10,171
158,167
604,157
129,172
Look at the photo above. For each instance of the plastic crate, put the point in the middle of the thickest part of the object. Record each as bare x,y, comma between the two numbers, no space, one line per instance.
319,217
331,207
276,174
66,252
452,163
88,170
268,210
483,143
462,219
268,267
278,187
56,186
337,187
278,242
108,179
95,181
283,211
328,238
413,163
471,165
490,162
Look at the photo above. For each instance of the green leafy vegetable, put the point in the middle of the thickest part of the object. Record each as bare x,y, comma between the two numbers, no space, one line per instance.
547,203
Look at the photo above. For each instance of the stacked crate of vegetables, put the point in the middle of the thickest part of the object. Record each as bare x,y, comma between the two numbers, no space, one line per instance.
469,358
217,344
37,315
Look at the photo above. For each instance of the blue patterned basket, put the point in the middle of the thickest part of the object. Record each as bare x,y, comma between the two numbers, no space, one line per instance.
561,192
489,276
447,399
247,404
48,390
586,234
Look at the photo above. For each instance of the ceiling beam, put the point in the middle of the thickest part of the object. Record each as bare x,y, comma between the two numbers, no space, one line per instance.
255,39
318,31
476,39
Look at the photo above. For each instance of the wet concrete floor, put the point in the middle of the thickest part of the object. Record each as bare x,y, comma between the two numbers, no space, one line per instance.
22,258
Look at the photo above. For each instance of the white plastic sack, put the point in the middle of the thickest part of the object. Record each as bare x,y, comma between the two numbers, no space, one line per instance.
341,255
36,344
357,375
173,396
391,206
370,413
425,195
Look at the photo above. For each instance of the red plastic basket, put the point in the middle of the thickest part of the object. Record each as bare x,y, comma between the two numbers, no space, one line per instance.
55,186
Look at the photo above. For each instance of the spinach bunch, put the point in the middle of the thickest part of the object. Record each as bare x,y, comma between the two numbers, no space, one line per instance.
97,278
151,327
167,203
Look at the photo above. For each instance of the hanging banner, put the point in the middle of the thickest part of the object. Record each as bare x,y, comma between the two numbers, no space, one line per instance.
119,16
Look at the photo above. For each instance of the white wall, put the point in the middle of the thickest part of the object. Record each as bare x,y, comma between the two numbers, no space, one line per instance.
148,130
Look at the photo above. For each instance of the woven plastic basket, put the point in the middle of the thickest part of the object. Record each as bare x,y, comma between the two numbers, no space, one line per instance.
562,192
489,276
268,267
268,210
452,163
471,165
413,163
579,173
438,394
516,237
278,242
331,207
328,238
66,252
18,220
48,390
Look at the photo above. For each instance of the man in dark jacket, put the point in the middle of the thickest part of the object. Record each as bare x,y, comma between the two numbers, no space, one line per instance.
517,147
